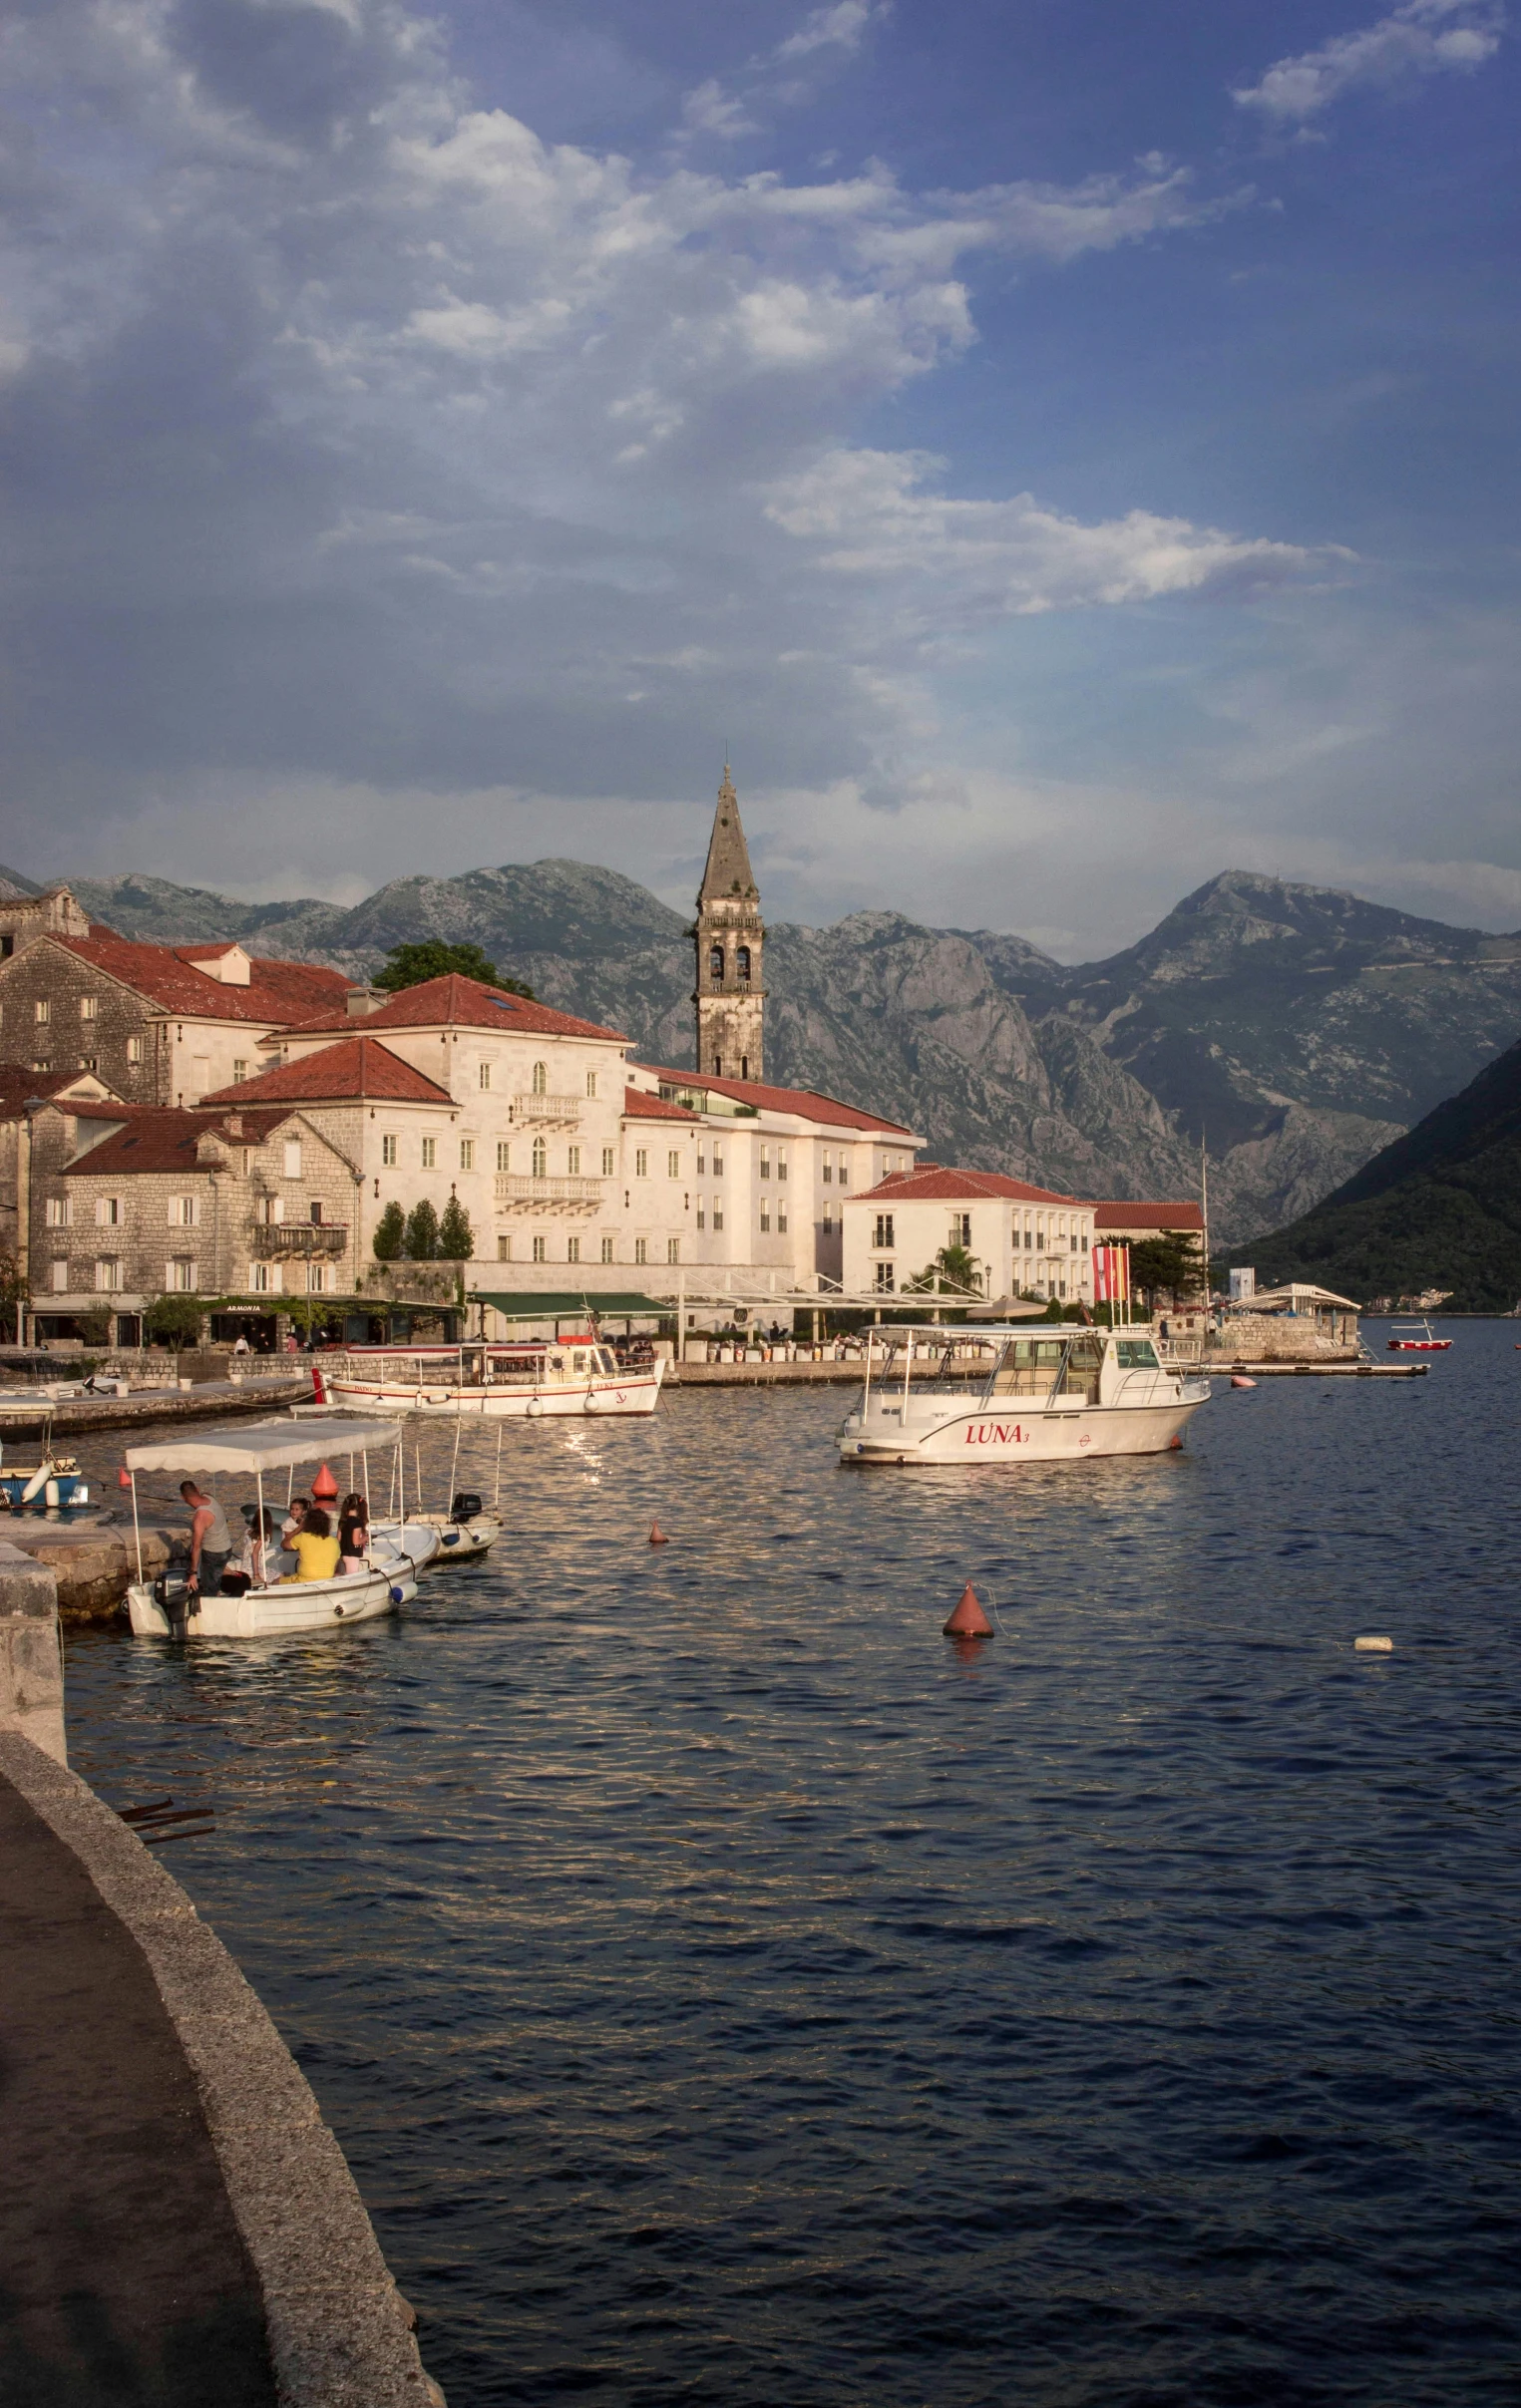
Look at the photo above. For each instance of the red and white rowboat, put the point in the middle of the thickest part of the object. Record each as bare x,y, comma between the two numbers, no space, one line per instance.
1416,1338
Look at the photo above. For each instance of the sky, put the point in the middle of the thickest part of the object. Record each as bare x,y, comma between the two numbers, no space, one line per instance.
1057,449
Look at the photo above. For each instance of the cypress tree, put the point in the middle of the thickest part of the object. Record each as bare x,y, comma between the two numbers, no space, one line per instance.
422,1232
456,1237
390,1235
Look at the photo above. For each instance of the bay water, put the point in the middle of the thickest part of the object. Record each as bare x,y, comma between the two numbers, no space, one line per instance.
728,1990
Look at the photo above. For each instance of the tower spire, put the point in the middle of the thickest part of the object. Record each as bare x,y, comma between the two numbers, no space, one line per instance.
730,995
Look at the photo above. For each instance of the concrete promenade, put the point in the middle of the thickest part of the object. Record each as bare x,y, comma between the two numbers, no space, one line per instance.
72,1417
178,2226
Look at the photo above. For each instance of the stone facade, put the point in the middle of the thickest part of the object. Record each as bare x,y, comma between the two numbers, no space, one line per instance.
24,918
1023,1240
730,993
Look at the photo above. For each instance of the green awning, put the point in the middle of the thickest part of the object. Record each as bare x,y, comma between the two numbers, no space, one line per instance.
552,1304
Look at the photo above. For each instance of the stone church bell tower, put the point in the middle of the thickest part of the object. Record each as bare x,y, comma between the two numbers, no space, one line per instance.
730,995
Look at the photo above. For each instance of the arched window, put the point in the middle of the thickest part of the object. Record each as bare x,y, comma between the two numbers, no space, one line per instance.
715,961
742,962
541,1079
540,1157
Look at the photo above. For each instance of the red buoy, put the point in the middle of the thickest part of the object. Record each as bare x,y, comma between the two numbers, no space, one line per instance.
324,1486
657,1535
123,1478
969,1622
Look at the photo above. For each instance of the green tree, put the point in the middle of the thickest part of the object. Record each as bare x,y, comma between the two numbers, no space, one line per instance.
1165,1266
456,1238
175,1320
390,1235
954,1269
422,1232
410,965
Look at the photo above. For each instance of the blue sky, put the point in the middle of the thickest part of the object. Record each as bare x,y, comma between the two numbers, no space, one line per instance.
1064,451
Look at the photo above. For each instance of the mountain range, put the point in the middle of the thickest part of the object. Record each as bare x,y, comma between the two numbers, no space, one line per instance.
1294,1031
1439,1209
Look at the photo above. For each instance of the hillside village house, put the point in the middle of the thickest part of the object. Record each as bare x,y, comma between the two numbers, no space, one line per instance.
1022,1239
160,1024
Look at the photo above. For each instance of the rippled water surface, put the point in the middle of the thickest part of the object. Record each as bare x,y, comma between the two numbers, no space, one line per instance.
726,1991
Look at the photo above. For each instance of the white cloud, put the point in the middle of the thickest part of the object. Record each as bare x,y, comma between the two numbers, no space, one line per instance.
990,559
711,110
1422,38
842,27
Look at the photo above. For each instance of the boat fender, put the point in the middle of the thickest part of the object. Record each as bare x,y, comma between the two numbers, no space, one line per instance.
1239,1382
50,1495
450,1537
535,1408
1370,1645
38,1481
397,1595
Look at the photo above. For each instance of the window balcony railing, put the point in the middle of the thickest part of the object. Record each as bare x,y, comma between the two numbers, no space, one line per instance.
277,1239
547,1111
522,1192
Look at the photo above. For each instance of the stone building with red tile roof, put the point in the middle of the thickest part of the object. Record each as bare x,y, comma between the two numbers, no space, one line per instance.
161,1024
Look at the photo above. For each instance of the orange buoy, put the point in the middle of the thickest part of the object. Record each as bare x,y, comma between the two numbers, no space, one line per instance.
324,1486
123,1478
969,1622
1238,1381
657,1535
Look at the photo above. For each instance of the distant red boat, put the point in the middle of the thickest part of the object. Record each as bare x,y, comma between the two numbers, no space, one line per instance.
1416,1338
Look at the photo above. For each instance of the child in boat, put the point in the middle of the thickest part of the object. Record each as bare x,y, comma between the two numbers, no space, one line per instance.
314,1548
354,1531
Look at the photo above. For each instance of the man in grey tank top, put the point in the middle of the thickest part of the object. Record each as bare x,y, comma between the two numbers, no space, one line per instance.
210,1542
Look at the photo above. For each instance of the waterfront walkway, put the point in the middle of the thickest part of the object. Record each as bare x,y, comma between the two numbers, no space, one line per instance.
125,2276
178,2227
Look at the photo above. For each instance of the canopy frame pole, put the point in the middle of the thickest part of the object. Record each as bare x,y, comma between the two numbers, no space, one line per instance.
260,1538
495,1502
135,1529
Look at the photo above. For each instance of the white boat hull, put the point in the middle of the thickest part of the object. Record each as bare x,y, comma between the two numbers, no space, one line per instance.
1018,1432
413,1543
289,1606
463,1541
639,1393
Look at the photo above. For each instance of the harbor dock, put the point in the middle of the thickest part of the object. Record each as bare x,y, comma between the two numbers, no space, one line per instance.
24,1415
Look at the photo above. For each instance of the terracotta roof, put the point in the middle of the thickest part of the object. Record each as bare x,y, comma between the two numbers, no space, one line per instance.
228,945
1148,1217
278,991
20,1087
950,1186
160,1137
805,1102
456,1003
640,1104
357,1067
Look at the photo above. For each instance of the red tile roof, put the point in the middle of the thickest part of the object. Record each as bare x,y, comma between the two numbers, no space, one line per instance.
936,1186
356,1067
20,1087
805,1102
640,1104
278,992
456,1003
1148,1217
160,1137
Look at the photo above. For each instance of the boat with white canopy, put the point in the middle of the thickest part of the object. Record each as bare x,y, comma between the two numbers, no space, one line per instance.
1003,1395
259,1452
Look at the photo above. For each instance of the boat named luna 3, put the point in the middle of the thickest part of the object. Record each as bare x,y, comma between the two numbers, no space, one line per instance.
1002,1395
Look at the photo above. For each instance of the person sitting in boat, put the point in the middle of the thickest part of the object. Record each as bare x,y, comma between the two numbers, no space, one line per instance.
315,1548
211,1542
354,1531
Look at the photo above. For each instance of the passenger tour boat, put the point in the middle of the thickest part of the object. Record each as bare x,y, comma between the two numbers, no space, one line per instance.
519,1378
254,1602
935,1395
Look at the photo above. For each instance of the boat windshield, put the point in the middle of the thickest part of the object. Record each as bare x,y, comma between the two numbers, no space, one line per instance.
1136,1354
1068,1365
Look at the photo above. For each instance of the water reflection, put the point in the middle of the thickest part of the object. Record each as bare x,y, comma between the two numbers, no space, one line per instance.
726,1988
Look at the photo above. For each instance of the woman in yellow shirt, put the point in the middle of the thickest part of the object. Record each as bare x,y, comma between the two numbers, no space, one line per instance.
315,1548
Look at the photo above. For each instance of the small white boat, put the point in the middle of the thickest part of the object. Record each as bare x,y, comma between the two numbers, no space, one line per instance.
161,1608
1415,1337
55,1485
516,1379
935,1395
463,1538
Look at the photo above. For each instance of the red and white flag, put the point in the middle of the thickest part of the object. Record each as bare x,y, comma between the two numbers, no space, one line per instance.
1111,1275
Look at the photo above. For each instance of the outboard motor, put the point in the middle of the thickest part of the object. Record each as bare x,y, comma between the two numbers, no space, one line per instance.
466,1506
170,1593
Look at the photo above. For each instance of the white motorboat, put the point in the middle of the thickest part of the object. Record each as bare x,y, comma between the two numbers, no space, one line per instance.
516,1379
462,1537
935,1395
161,1608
